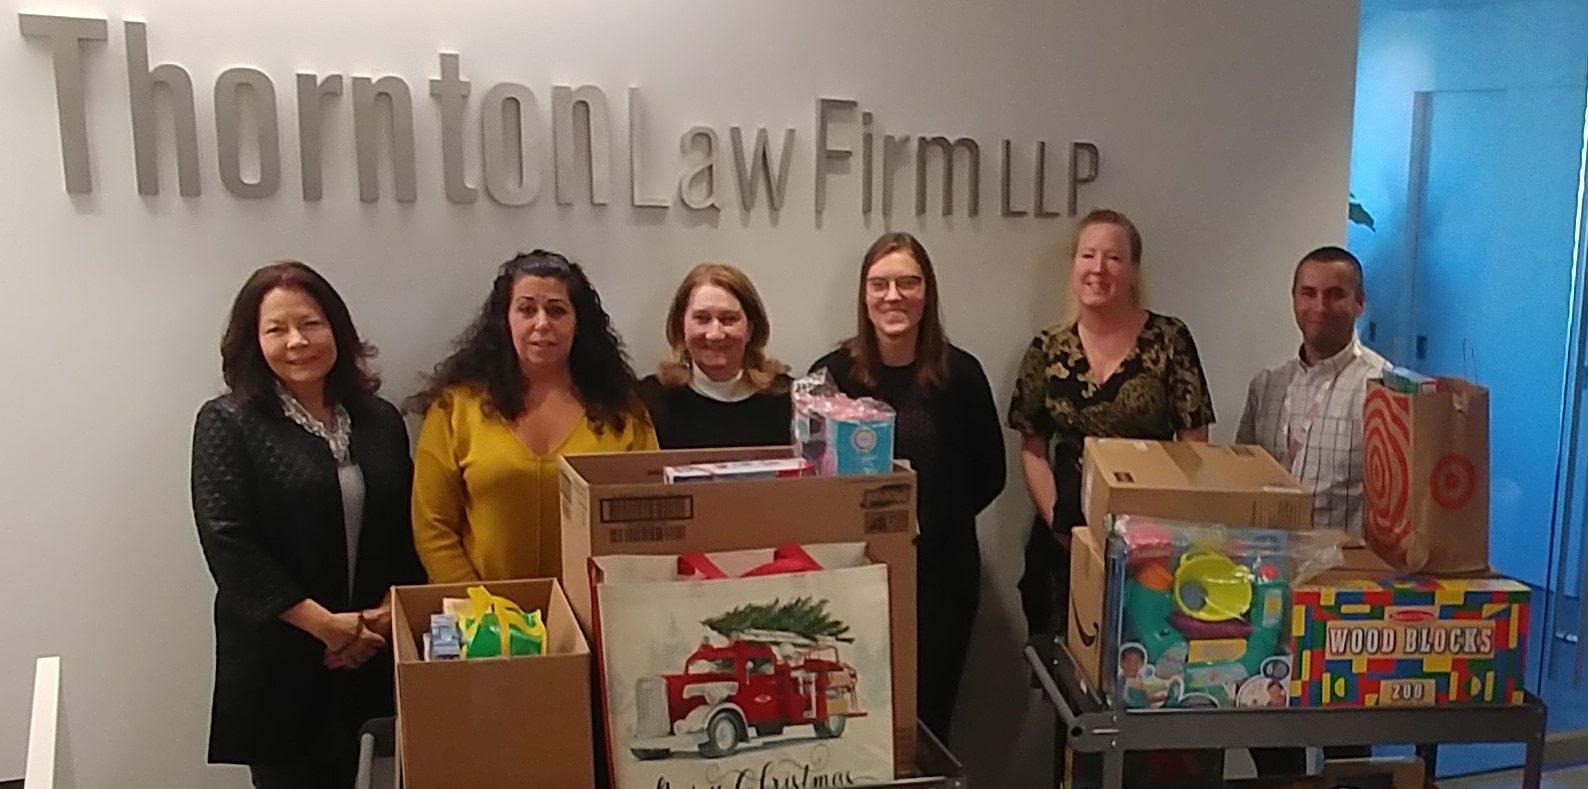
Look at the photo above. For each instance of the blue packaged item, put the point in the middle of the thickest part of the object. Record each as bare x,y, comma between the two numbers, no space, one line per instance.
838,434
446,640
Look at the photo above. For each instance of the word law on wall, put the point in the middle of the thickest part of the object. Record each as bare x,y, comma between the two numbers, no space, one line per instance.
512,140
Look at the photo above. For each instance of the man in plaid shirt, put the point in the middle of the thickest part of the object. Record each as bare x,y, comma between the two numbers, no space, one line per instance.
1307,412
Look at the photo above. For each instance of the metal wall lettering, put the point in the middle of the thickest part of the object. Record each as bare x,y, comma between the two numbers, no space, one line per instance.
1080,150
228,132
66,35
705,170
1006,203
367,136
1039,204
512,142
947,148
451,91
598,133
513,139
636,161
312,91
895,153
827,157
141,84
760,166
867,179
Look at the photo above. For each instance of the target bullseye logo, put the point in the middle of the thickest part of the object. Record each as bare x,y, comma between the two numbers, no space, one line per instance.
1453,481
1387,440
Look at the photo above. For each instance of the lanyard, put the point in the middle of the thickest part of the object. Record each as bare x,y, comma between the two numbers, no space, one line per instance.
1296,445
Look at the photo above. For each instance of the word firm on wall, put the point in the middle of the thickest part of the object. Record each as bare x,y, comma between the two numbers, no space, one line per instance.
512,141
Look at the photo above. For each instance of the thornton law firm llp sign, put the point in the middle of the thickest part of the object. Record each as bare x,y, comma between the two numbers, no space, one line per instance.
512,140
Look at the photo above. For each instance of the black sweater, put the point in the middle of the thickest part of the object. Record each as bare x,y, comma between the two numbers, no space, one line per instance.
686,419
951,436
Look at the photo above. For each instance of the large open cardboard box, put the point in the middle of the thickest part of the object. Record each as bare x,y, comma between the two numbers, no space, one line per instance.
619,504
1232,484
494,722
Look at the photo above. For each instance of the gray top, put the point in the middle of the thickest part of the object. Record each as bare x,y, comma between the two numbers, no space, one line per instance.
351,479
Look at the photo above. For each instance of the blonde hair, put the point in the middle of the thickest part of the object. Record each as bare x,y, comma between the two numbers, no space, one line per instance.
760,371
1108,216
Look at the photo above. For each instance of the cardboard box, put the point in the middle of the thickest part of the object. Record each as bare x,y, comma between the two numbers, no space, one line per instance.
1361,564
619,504
1231,484
1088,587
494,722
1410,642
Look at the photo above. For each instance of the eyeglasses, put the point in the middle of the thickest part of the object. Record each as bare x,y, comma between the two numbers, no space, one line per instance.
907,286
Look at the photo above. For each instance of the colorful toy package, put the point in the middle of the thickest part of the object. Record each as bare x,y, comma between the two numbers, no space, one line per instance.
838,434
1409,642
1199,611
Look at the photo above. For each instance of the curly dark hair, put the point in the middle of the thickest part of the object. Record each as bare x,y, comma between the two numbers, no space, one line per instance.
483,356
243,366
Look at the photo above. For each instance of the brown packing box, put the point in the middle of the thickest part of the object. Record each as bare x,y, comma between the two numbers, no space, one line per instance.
618,504
494,722
1232,484
1088,587
1361,564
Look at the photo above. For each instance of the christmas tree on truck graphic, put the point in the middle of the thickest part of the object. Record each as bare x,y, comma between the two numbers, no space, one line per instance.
764,667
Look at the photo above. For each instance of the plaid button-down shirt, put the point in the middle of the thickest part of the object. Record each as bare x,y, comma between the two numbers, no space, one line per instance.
1309,417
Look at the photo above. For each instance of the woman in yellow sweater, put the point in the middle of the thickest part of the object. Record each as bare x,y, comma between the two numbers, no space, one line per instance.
540,374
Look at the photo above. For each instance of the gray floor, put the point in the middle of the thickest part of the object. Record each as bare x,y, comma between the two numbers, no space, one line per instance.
1574,778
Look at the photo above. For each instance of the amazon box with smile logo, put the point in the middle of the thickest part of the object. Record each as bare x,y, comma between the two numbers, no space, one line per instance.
1409,642
1088,588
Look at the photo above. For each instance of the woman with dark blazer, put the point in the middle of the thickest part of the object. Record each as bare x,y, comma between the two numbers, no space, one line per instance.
300,482
947,427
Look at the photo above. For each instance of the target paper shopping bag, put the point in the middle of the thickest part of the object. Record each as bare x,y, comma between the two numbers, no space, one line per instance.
1427,476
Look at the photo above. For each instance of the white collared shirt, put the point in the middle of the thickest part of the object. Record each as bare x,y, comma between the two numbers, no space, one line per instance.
1309,417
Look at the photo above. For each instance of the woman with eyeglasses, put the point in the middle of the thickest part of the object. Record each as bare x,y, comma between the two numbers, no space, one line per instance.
947,427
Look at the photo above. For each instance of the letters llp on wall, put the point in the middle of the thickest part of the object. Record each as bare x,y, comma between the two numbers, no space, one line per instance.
513,139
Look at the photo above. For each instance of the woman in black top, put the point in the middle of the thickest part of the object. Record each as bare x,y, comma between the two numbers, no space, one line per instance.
718,388
1117,370
947,427
300,483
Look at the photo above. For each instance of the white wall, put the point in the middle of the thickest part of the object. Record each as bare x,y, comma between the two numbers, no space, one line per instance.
1224,129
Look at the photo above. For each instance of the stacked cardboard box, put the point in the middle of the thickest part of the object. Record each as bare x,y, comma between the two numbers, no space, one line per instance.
1230,484
621,504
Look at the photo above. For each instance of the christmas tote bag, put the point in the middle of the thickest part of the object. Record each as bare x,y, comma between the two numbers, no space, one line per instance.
745,668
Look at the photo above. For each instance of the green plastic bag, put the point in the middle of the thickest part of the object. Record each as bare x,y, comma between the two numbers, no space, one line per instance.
496,626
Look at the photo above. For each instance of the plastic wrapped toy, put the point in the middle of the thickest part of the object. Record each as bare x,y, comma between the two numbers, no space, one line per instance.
839,434
1200,610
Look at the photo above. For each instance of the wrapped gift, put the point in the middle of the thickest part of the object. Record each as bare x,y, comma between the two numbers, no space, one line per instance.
495,626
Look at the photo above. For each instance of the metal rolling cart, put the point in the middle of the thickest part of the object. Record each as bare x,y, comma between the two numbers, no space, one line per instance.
1092,727
936,768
